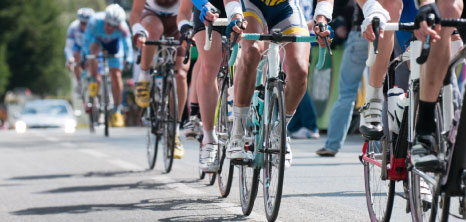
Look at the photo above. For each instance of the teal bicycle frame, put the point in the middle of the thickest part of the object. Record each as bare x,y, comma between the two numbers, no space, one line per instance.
258,103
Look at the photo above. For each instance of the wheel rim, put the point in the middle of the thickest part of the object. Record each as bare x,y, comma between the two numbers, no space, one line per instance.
377,190
151,140
274,162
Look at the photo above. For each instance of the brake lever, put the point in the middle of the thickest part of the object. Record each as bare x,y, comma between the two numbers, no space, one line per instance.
426,45
376,29
323,28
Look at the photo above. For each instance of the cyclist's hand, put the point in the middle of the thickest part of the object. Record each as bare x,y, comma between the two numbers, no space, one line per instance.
70,63
370,12
420,23
139,40
209,13
321,35
237,25
186,34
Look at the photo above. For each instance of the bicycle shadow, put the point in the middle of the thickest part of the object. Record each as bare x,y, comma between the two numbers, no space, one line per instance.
88,174
157,205
329,194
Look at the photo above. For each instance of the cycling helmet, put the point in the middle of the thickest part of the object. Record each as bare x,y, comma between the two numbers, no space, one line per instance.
114,14
84,14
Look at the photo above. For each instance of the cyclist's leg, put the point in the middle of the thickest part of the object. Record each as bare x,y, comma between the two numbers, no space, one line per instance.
193,127
371,122
94,49
77,68
154,26
244,82
207,89
431,82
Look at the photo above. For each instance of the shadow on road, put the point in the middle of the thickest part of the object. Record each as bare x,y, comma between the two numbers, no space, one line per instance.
89,174
184,204
324,164
142,185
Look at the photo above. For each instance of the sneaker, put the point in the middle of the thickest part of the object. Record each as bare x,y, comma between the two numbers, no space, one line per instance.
117,120
323,152
314,134
142,94
302,133
422,154
193,127
371,120
179,150
208,158
288,154
235,150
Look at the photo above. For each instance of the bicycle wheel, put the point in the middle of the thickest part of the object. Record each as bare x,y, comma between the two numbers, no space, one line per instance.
275,149
152,139
424,200
212,177
223,128
379,193
92,111
170,101
248,186
105,104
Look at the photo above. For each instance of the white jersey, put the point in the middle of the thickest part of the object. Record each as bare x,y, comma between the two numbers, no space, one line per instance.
75,39
163,7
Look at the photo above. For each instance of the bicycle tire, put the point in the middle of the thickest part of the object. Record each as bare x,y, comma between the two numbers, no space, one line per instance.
212,177
225,171
272,159
379,211
105,105
418,211
170,121
248,187
92,114
152,139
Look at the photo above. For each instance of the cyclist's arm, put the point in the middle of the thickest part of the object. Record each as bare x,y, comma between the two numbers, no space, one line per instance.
184,14
69,45
136,12
89,36
324,11
127,46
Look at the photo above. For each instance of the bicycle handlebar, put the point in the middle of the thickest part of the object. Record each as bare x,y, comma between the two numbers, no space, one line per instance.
323,28
278,37
409,26
208,31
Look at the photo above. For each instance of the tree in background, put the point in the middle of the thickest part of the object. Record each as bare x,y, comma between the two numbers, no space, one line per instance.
32,39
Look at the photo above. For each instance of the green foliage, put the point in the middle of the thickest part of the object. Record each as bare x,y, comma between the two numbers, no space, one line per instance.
4,70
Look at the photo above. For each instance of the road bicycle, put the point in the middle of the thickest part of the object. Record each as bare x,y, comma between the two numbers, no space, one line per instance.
99,106
265,139
388,160
161,116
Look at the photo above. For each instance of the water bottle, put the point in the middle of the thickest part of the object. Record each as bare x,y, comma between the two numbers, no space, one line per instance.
396,103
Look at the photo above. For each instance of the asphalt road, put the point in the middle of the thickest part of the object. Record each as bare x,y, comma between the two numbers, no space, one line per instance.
46,175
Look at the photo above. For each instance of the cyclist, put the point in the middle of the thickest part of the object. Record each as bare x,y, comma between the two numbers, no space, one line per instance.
286,16
109,31
150,19
210,61
75,40
422,153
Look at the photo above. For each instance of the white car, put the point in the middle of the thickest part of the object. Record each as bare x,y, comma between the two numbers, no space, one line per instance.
47,113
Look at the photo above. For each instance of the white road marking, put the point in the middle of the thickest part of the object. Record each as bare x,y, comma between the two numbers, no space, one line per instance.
185,189
93,153
51,139
125,165
68,144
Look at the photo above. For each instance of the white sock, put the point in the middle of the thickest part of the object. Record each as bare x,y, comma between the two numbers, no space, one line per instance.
373,93
144,75
178,129
288,119
209,137
240,115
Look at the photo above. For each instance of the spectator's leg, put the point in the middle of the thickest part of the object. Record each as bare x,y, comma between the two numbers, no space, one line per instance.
351,70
